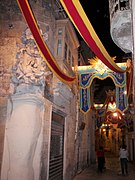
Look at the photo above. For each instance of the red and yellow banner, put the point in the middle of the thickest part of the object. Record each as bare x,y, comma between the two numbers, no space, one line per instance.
48,57
77,15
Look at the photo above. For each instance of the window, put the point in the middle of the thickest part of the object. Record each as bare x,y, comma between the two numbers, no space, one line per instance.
60,32
65,54
72,63
59,47
69,57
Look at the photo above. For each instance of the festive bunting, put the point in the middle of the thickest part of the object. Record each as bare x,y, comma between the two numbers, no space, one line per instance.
86,77
85,100
121,98
48,57
77,15
88,73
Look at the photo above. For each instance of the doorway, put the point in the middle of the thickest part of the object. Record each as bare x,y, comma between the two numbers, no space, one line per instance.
56,147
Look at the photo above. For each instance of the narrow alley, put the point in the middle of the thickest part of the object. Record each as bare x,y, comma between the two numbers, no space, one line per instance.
67,89
111,172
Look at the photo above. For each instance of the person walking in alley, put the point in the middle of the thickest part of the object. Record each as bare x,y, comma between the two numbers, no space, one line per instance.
124,160
101,159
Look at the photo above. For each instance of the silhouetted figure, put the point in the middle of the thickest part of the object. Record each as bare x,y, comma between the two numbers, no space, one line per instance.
124,160
101,159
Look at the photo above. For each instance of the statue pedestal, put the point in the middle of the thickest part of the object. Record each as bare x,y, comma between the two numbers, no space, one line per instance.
23,128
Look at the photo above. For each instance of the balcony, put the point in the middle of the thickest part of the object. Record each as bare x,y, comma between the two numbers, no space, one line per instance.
121,24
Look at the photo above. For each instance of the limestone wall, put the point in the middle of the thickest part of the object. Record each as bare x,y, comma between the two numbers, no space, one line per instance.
12,26
10,29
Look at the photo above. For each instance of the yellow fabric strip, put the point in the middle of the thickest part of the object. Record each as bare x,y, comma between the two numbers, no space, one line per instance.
91,30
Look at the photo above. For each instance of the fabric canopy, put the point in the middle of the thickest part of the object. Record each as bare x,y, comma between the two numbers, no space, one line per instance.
48,57
86,78
77,15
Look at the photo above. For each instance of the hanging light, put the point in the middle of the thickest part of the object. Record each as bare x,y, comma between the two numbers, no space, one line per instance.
115,114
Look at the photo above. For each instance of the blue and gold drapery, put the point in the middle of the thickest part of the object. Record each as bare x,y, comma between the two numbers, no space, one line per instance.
86,77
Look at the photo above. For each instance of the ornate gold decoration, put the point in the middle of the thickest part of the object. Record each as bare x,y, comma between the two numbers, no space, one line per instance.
97,64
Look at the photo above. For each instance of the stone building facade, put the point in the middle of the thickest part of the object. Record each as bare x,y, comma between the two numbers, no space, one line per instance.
41,134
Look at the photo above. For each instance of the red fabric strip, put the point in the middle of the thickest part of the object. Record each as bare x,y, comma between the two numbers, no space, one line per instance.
86,34
36,34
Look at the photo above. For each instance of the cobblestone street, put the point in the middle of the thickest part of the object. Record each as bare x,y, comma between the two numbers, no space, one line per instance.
112,171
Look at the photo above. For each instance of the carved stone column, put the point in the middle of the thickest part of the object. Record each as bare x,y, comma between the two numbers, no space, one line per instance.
22,131
26,108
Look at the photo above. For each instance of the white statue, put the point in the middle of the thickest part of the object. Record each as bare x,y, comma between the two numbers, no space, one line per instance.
25,108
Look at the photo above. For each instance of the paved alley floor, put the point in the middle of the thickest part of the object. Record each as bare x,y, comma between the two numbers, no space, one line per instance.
112,172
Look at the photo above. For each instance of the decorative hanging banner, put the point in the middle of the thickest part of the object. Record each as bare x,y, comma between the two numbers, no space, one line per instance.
121,98
86,76
77,15
85,79
119,78
48,57
85,100
88,73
